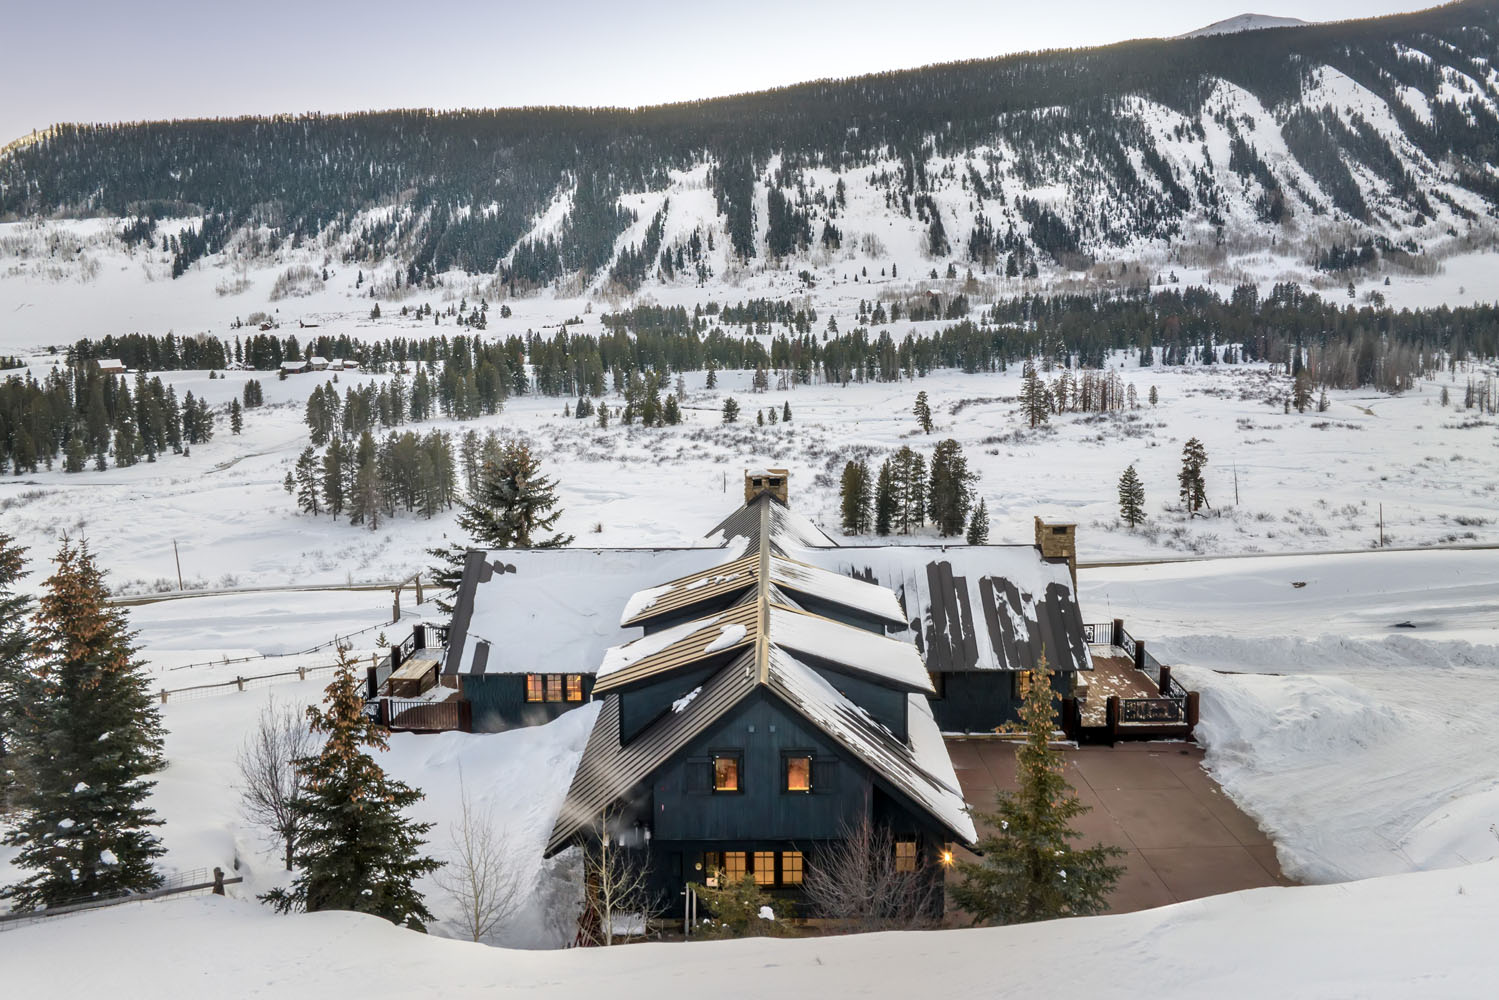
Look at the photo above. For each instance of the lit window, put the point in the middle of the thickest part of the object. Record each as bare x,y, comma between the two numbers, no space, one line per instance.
554,687
791,867
734,864
574,687
765,867
712,863
726,774
533,687
905,855
798,774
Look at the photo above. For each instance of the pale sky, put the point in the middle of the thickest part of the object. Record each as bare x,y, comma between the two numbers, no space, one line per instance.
113,60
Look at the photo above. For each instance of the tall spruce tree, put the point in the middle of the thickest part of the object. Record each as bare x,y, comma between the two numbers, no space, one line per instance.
884,499
923,412
1131,498
1028,868
950,488
854,497
357,851
512,506
978,525
15,648
1034,399
1193,488
88,739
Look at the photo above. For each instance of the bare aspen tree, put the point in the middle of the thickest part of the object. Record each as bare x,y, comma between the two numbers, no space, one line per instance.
858,881
616,891
480,876
270,785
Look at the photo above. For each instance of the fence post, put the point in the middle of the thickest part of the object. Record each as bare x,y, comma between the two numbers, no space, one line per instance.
218,881
163,696
301,673
371,685
1139,654
1165,680
1112,709
1070,716
418,588
1192,709
241,682
1117,639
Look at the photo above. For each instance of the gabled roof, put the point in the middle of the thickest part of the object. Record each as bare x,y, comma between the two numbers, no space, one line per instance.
522,610
920,771
975,607
835,588
765,516
680,647
705,586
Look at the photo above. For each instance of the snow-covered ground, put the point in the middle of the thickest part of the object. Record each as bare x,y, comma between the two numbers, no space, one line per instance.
1352,715
1421,935
1313,481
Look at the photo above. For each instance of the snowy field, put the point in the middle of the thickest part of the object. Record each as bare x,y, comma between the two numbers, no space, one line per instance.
1400,937
1353,716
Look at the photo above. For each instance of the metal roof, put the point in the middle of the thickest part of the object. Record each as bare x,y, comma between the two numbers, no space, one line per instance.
707,586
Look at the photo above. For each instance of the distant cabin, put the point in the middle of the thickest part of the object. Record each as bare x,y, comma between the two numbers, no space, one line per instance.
317,364
295,367
111,366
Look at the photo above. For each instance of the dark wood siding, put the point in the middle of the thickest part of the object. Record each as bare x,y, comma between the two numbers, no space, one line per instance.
499,702
639,707
979,701
762,731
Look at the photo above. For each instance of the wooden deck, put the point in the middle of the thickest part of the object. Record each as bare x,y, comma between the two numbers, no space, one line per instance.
1113,674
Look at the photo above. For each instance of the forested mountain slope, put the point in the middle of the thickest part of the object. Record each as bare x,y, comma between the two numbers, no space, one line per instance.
1335,142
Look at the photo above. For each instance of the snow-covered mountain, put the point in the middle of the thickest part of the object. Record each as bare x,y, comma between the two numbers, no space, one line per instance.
1333,145
1245,22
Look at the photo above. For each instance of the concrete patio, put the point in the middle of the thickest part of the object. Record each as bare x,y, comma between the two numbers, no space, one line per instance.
1183,837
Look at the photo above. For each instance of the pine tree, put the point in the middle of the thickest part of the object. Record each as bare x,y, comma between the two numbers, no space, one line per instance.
1193,489
923,412
950,488
854,498
978,525
357,851
786,412
760,417
236,417
730,410
908,488
308,484
1029,869
512,506
1155,395
1033,396
671,412
712,375
1301,392
88,741
1131,498
884,499
15,648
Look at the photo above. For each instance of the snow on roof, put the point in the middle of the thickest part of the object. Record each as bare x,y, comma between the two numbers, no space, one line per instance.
836,588
294,364
974,607
922,769
716,582
616,658
889,660
554,609
110,363
787,528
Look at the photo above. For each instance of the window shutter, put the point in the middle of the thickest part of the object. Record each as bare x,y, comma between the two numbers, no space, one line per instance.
699,776
824,775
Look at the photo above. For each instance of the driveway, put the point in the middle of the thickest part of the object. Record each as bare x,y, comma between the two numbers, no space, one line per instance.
1183,838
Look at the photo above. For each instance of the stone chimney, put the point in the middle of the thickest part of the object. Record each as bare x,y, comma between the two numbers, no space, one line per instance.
772,481
1058,541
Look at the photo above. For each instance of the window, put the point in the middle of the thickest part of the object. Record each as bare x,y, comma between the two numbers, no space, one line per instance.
791,867
765,867
905,855
712,863
734,865
798,774
726,774
554,687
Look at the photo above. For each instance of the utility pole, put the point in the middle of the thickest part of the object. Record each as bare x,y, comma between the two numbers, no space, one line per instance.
1236,484
178,558
1381,525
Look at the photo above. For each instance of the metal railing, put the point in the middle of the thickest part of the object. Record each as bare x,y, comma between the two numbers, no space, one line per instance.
425,716
1156,711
